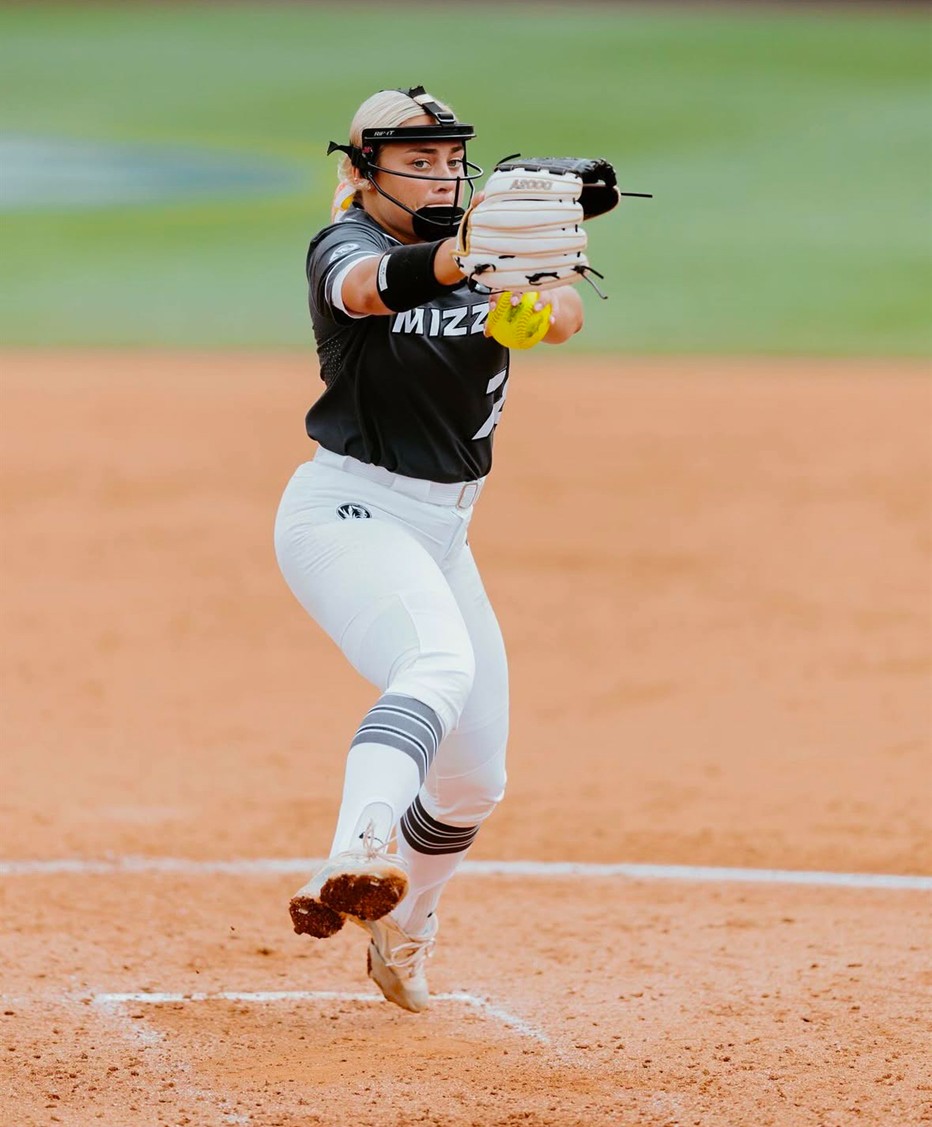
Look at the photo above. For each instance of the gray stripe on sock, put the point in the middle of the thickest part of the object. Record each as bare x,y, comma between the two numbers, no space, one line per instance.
410,725
376,724
437,832
372,734
426,835
404,724
423,712
407,722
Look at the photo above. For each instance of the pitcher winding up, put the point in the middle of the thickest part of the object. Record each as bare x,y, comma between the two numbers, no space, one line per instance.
417,292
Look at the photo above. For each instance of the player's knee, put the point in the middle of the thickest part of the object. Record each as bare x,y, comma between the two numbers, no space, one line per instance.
441,677
416,644
487,793
474,798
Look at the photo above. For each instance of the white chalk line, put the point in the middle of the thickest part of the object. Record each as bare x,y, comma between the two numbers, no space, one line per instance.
115,1003
266,997
170,1062
533,870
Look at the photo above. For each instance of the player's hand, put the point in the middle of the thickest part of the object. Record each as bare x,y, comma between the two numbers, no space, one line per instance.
522,320
518,320
566,316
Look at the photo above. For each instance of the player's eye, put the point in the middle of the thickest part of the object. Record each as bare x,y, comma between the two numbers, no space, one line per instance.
420,163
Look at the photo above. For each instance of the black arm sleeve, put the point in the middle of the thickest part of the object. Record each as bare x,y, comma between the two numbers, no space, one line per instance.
406,277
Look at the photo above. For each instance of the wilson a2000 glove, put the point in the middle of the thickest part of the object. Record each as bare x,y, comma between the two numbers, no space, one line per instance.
526,232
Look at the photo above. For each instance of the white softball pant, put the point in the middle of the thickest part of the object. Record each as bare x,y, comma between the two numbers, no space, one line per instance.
381,563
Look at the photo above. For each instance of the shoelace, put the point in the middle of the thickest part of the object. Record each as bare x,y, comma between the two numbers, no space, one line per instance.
416,952
377,850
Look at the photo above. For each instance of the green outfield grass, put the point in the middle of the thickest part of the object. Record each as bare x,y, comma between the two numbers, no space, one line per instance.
789,154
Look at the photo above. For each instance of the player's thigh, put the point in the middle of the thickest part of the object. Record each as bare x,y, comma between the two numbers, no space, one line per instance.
380,596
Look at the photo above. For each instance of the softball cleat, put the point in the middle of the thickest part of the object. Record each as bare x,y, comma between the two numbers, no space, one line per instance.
365,884
396,963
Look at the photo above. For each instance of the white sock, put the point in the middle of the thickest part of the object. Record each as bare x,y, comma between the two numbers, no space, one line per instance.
388,760
380,778
428,874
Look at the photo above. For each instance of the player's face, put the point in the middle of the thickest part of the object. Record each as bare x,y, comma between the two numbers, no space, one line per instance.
442,161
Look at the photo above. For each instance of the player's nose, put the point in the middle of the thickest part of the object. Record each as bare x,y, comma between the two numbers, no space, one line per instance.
452,172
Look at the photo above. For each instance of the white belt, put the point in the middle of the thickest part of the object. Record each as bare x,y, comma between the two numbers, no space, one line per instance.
459,494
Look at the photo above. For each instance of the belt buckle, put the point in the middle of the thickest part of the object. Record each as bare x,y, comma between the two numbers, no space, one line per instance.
471,490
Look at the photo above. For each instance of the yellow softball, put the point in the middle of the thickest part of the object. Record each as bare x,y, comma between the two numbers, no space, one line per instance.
518,326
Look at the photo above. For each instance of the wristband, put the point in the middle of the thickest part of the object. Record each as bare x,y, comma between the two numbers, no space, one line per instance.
405,278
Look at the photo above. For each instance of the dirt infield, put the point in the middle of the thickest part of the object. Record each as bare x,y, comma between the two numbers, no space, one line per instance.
713,580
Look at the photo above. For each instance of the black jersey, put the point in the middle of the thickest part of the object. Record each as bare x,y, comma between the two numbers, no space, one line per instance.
419,392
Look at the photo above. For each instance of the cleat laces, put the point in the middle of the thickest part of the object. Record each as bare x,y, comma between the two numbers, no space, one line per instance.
410,957
377,850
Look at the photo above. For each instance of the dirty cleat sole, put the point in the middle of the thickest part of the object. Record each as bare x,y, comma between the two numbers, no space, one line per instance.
310,917
363,888
367,896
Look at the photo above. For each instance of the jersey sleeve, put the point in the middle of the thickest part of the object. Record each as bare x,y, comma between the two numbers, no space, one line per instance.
330,258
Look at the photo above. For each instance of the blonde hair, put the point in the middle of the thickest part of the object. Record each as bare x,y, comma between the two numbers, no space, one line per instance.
383,110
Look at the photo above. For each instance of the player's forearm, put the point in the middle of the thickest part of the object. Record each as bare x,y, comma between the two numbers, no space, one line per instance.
378,287
359,293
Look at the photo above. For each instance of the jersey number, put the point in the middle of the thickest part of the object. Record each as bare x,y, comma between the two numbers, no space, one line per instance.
490,423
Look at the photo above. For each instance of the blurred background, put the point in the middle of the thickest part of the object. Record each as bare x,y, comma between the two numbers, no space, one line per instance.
163,165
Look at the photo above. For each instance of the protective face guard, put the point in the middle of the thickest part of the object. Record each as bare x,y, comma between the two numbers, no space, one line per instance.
439,221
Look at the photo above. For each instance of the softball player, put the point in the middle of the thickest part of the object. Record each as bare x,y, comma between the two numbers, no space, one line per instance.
371,535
